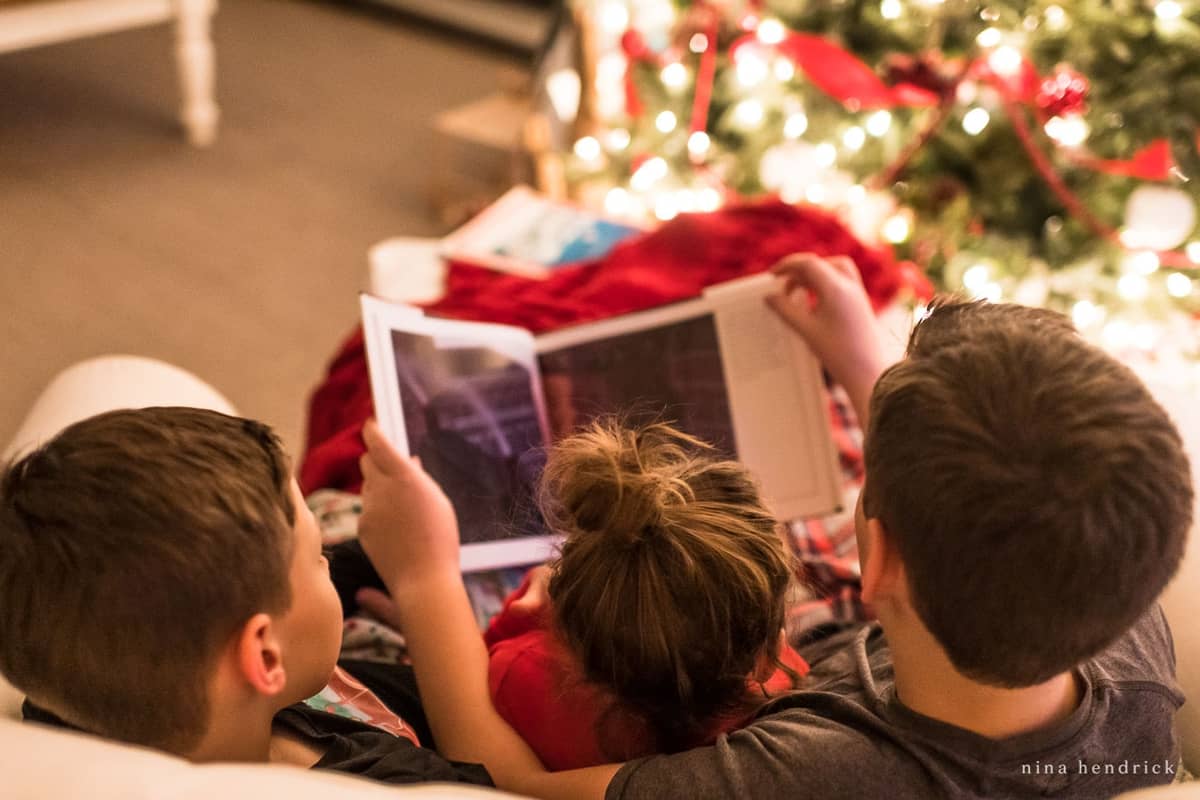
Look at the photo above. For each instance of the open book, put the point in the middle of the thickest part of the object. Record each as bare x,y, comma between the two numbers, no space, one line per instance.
479,402
532,235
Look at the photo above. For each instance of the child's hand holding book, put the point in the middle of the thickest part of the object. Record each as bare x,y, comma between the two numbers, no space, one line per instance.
408,527
824,301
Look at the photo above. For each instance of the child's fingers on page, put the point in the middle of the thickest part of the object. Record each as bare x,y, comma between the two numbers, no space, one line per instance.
847,267
793,311
788,266
808,271
381,452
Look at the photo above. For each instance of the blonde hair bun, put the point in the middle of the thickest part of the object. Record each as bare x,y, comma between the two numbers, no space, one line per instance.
621,482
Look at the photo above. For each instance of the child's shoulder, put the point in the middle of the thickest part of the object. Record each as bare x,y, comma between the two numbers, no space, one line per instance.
1142,658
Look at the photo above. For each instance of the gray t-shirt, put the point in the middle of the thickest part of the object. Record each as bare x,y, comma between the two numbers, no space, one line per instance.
846,735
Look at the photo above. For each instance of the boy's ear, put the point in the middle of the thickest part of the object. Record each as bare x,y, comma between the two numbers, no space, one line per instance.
883,575
259,656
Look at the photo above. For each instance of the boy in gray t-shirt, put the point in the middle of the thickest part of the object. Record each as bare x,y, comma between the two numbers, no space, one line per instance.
1026,501
848,735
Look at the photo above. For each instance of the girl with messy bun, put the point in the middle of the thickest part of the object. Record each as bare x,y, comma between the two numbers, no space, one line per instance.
660,624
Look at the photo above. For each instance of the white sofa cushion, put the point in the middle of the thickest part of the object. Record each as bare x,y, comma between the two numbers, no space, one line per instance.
66,765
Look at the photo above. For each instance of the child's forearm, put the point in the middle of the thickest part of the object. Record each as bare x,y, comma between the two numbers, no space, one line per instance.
859,386
451,663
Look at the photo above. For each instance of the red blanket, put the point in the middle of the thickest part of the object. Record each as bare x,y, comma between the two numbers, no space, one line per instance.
673,263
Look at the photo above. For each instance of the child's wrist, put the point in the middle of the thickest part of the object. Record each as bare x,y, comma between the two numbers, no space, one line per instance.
413,593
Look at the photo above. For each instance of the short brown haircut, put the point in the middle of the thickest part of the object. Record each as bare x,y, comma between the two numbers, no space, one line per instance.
132,546
672,577
1039,497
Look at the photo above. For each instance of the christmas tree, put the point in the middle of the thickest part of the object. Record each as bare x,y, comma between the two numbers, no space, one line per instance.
1032,151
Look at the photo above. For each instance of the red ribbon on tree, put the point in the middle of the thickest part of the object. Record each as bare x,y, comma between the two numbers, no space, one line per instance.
1152,163
841,74
706,75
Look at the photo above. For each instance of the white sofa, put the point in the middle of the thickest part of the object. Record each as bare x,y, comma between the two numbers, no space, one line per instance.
41,763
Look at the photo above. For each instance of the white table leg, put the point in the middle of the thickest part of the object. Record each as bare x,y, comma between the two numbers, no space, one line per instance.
196,62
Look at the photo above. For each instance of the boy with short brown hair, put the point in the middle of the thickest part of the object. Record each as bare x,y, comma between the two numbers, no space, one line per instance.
162,583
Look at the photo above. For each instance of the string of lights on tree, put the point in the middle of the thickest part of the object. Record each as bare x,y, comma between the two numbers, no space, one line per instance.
1045,153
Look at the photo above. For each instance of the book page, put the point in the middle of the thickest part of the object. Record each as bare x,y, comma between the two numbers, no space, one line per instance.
660,365
466,398
722,368
779,404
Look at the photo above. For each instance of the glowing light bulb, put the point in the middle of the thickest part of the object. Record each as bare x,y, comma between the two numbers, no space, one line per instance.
588,148
1006,61
698,43
1117,334
617,139
890,9
815,193
674,75
988,37
665,207
771,31
856,194
653,16
698,143
1069,131
1144,262
1179,285
796,124
990,292
610,69
617,202
975,120
1168,10
1133,286
1145,336
708,199
649,173
879,123
976,277
896,229
563,87
666,122
854,138
749,113
1085,314
751,69
826,154
1193,251
784,70
1056,18
614,17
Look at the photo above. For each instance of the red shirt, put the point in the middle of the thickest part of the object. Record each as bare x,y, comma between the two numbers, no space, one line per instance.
539,688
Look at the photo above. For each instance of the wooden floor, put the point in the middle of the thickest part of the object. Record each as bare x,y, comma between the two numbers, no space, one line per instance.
241,263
